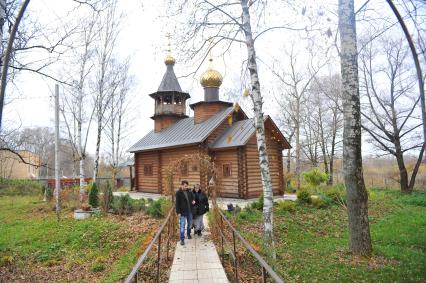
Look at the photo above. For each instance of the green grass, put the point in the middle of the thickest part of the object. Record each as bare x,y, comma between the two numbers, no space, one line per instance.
312,244
31,238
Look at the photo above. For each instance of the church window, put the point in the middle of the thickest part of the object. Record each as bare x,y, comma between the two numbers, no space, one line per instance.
168,99
178,100
184,169
148,170
194,167
226,170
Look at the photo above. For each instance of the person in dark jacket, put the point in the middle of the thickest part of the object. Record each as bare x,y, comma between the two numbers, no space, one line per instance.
200,208
184,206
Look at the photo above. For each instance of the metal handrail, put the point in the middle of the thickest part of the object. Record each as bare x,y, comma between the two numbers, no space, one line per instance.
265,267
134,273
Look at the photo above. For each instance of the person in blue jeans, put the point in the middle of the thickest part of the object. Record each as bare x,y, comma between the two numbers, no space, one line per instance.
184,206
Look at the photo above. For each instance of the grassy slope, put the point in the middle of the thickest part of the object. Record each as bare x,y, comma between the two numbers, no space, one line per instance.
312,243
33,240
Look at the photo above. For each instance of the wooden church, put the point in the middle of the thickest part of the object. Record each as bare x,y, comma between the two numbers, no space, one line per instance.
232,146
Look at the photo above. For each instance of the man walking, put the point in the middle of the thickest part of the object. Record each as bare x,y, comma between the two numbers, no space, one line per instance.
184,203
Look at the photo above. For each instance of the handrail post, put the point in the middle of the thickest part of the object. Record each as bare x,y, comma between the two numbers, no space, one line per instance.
158,258
236,257
221,239
168,239
136,277
263,275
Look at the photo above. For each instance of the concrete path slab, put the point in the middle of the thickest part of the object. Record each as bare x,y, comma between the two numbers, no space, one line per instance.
197,261
139,195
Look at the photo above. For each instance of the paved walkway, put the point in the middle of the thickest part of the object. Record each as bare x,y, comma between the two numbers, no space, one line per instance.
197,261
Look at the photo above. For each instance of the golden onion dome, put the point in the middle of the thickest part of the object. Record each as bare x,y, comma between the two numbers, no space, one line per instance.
211,78
169,60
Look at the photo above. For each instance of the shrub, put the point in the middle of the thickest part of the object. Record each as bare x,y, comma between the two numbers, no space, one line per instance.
336,194
49,193
94,195
315,177
138,205
158,208
122,204
286,206
108,197
321,201
237,209
259,203
304,197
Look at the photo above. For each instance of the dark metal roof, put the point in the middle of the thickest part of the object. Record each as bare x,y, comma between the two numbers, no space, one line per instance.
183,132
236,135
224,103
169,82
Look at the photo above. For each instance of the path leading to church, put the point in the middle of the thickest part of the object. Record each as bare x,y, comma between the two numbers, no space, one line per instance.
197,261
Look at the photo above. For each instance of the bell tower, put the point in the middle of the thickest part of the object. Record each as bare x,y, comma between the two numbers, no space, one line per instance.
170,101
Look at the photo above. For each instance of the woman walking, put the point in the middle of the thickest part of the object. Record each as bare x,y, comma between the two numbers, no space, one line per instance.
200,208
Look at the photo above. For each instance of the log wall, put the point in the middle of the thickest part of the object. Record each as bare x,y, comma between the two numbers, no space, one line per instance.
228,186
254,179
144,183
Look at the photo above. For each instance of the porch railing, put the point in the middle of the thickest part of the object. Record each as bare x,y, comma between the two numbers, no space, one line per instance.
232,248
168,227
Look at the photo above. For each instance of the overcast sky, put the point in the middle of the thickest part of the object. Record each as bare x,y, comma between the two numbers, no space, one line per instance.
143,37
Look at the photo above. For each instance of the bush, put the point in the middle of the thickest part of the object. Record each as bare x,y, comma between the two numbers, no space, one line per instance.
49,193
286,206
259,203
108,197
304,197
315,177
158,208
336,194
138,205
93,195
122,204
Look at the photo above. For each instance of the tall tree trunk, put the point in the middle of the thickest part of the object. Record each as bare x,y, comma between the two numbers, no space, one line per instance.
7,54
357,197
260,133
98,147
298,144
331,172
289,160
82,155
403,174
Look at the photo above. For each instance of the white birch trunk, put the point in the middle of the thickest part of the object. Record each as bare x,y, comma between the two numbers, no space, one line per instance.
298,143
260,133
98,147
359,231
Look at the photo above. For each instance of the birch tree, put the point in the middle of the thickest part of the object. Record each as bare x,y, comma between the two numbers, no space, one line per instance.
77,116
296,86
118,125
325,94
357,197
105,81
